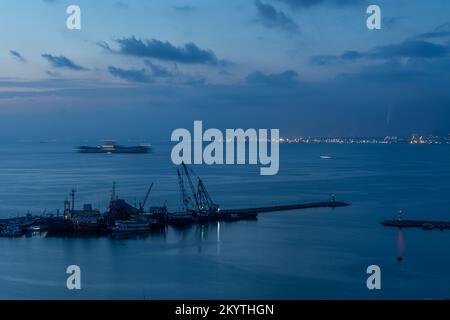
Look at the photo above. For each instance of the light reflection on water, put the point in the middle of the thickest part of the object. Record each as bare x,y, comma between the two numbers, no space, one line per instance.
319,253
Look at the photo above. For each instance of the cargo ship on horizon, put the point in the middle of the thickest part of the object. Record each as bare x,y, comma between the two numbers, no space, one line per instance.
110,147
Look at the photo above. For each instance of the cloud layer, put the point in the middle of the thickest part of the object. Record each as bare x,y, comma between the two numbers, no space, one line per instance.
62,62
288,77
270,17
132,75
188,53
17,55
311,3
151,73
406,49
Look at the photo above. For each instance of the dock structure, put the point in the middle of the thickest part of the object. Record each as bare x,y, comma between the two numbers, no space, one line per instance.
197,206
326,204
424,224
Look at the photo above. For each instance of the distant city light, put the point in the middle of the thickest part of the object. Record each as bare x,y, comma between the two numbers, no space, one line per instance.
413,139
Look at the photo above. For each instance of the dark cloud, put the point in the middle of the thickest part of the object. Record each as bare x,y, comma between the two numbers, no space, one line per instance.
157,70
62,62
390,22
349,55
17,55
324,59
414,94
53,74
105,45
417,47
311,3
132,75
407,49
270,17
288,77
143,75
189,53
442,31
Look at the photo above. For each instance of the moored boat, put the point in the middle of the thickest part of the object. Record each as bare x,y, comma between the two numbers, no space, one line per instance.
12,230
180,219
125,226
34,228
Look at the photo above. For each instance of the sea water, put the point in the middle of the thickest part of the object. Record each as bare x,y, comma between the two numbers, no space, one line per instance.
300,254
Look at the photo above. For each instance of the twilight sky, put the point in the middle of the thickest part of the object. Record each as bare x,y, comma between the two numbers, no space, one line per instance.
139,69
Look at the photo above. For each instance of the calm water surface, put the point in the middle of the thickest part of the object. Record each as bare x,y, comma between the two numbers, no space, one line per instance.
305,254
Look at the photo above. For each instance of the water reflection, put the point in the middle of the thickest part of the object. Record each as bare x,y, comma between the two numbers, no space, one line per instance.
36,234
400,244
200,233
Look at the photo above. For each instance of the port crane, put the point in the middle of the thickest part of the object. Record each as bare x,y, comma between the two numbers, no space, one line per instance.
203,204
142,205
186,201
205,200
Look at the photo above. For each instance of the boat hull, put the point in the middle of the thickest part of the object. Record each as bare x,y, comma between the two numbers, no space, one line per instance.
116,149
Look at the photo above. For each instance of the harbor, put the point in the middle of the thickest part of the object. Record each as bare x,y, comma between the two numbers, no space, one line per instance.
121,217
287,248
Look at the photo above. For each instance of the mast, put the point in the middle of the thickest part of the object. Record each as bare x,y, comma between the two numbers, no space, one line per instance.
113,192
113,196
66,206
72,197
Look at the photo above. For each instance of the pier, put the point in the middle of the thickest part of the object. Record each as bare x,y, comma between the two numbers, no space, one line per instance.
424,224
325,204
197,206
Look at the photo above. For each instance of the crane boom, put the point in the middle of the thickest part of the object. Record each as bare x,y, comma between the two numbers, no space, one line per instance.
146,196
203,195
185,201
203,201
191,186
